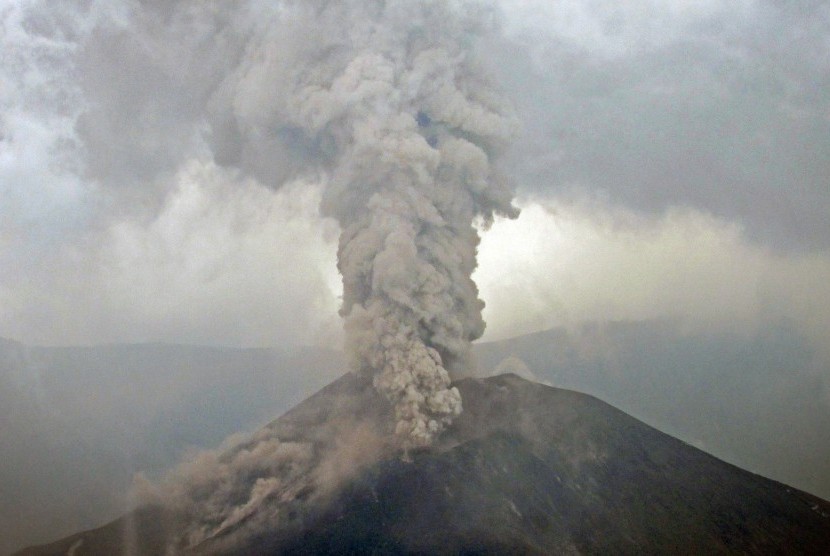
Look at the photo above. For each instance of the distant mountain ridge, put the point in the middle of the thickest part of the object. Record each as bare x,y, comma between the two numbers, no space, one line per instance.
760,401
526,469
79,421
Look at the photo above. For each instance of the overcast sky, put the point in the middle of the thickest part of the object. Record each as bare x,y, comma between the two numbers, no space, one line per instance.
673,160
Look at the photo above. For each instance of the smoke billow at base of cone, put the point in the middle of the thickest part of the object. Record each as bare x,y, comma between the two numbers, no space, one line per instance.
278,477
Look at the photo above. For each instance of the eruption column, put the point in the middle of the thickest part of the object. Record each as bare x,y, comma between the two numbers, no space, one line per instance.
385,103
407,125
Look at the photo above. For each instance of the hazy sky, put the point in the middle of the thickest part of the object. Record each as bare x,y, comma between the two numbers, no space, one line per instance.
673,160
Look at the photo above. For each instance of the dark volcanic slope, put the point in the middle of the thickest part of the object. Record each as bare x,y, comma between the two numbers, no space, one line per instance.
525,469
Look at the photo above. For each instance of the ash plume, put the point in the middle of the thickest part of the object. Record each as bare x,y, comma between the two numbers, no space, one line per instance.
276,476
386,103
381,104
414,126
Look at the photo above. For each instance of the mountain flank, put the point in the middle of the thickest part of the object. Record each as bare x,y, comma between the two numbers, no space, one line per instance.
525,469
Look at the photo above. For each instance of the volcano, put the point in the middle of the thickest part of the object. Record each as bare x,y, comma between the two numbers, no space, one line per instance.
525,469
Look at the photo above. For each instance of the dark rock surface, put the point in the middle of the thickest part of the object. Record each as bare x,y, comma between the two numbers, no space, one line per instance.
526,469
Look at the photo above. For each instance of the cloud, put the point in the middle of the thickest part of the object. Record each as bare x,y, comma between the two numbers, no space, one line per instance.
617,29
570,263
225,262
398,134
709,119
722,107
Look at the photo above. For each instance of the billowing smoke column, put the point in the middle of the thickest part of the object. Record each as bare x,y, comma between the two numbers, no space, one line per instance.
382,102
409,126
390,98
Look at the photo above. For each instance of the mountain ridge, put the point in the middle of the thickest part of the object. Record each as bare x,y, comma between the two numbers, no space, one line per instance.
527,467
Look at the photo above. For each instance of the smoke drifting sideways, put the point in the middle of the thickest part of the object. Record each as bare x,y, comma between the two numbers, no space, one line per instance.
386,103
277,479
383,104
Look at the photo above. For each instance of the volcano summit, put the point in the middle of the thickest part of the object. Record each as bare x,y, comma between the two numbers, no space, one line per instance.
525,469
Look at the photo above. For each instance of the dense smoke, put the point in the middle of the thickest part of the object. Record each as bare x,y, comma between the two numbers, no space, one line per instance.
276,477
412,126
215,491
381,105
384,103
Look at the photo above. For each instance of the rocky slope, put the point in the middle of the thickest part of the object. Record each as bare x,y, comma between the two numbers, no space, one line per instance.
526,469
